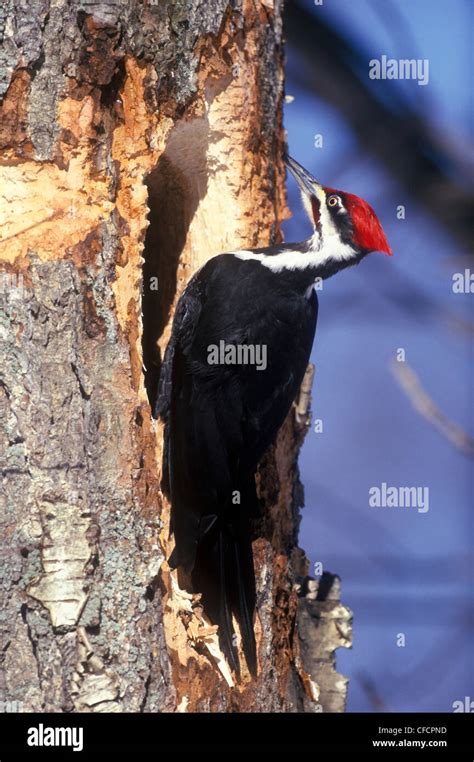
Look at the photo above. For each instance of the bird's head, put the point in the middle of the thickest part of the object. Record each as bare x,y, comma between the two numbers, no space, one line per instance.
346,227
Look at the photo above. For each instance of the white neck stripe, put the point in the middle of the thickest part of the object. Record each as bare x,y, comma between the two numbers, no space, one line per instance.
287,259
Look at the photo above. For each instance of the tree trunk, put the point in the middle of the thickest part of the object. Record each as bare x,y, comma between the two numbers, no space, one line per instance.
137,140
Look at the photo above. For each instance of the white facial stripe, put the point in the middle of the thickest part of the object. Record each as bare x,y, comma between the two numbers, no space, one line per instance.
333,248
307,205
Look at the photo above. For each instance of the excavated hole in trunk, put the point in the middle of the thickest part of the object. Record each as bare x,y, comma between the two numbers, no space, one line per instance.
175,187
164,243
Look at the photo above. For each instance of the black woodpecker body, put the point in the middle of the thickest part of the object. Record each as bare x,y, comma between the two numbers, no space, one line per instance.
223,409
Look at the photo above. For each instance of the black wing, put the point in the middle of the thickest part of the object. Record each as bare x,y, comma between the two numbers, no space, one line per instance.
220,419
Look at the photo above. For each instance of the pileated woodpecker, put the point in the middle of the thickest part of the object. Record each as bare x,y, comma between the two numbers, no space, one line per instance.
221,416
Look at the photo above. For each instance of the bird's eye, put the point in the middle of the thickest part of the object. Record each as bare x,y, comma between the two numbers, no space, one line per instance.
333,200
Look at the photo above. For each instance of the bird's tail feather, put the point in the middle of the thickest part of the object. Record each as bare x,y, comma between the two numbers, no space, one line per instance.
244,597
224,574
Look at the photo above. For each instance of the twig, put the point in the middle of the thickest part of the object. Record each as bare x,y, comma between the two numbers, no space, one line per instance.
422,402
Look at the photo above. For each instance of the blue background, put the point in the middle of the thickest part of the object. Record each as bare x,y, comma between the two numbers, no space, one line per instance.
402,571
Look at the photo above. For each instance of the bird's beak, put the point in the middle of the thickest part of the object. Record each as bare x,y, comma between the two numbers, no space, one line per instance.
306,182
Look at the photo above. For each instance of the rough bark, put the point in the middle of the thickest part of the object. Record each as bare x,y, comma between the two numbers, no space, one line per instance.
137,139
